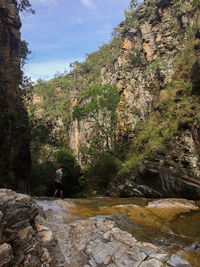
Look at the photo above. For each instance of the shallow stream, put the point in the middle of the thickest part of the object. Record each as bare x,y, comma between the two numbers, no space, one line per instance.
172,224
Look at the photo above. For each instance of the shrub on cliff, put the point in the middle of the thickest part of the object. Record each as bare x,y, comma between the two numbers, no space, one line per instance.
175,110
99,104
25,5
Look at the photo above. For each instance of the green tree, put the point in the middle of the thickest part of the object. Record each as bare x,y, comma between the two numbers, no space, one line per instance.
24,52
99,103
100,173
65,157
134,3
43,173
25,5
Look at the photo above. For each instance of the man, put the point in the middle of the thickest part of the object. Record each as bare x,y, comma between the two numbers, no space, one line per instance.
58,182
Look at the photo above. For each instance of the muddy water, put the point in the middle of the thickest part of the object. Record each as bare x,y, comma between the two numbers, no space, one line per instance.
173,227
178,223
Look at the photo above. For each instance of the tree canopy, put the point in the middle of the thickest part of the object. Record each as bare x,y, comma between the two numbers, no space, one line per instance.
100,104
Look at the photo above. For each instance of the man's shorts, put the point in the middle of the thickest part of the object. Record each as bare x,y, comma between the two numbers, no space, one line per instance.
58,186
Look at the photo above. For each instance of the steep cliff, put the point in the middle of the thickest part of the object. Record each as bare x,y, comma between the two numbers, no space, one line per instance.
167,145
14,147
155,65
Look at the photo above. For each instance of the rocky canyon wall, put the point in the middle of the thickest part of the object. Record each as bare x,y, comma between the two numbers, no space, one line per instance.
14,147
151,43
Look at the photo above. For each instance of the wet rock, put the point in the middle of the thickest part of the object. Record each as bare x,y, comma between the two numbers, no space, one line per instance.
52,252
101,242
174,203
177,261
120,221
35,240
160,257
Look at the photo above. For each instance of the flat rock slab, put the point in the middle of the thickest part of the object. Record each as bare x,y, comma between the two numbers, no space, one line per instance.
29,241
173,203
96,242
105,240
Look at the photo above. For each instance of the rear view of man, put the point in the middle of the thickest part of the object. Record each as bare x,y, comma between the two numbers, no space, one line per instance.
58,182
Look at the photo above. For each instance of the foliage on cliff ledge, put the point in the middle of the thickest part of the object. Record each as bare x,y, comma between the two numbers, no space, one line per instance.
98,104
89,72
176,107
25,5
175,104
49,114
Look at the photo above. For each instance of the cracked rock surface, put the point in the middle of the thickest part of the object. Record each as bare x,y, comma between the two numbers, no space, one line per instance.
40,236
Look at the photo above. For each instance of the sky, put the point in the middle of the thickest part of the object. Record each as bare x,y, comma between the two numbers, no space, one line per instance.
64,31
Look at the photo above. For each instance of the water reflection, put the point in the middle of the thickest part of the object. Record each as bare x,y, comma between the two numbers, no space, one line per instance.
172,228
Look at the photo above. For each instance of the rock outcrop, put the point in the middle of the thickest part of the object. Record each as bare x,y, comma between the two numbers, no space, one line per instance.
104,241
94,243
148,46
154,62
32,236
172,173
14,146
143,71
22,241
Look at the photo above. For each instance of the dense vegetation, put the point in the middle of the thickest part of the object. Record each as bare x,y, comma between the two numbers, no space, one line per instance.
108,151
100,107
49,115
176,107
50,118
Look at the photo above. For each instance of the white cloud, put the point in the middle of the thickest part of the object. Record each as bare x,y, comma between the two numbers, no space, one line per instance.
46,69
88,4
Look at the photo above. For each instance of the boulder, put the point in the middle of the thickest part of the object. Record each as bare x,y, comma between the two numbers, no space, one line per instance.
19,239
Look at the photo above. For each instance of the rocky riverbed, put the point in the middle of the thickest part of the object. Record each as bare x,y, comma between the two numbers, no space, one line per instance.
98,232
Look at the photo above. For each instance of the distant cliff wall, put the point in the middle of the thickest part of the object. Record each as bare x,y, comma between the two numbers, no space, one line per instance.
14,147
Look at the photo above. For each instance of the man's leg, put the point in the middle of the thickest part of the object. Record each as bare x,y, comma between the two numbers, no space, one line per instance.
55,193
61,193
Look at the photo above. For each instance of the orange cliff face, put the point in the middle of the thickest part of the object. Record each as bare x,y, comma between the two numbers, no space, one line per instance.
37,99
58,90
